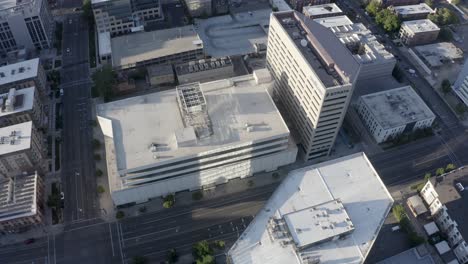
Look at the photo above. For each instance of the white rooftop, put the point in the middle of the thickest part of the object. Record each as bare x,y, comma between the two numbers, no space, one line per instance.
397,107
104,43
138,122
132,48
23,100
5,4
15,138
442,247
421,25
431,228
343,179
19,71
413,9
319,10
18,197
362,43
334,21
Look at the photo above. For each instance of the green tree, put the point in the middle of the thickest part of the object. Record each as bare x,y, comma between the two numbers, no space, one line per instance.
446,87
97,157
429,3
387,20
440,171
104,80
88,11
220,244
200,249
53,200
398,212
207,259
450,167
445,35
120,215
99,173
168,201
172,256
455,2
197,195
427,177
100,189
139,260
443,16
460,108
96,143
373,8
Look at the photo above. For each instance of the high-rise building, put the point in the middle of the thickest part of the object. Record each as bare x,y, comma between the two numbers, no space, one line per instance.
18,106
22,149
460,86
22,75
25,24
124,16
315,75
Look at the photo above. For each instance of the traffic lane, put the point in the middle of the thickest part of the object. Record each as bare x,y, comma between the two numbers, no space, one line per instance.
190,223
183,242
261,193
22,253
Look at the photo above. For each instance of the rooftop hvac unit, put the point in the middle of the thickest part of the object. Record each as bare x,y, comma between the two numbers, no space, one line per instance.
213,65
190,69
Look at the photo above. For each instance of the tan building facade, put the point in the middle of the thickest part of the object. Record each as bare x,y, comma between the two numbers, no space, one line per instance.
418,32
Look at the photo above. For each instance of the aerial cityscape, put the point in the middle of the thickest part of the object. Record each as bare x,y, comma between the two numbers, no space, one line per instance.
234,131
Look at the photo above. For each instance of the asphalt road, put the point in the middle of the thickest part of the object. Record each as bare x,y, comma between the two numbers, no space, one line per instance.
78,179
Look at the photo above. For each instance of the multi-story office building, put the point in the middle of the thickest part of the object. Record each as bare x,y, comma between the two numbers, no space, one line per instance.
448,207
318,11
390,113
22,149
21,202
166,46
194,136
319,214
299,4
25,24
315,76
413,12
460,86
374,59
18,106
22,75
124,16
204,70
418,32
198,8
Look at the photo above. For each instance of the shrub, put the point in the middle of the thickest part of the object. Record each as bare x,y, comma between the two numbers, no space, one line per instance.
97,157
99,173
198,195
399,212
168,201
100,189
96,143
172,256
120,215
450,167
220,244
440,171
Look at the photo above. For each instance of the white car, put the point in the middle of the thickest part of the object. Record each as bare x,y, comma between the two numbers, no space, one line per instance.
460,187
68,50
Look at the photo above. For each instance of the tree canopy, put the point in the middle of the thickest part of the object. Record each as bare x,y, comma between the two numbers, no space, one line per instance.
373,8
104,80
388,20
443,16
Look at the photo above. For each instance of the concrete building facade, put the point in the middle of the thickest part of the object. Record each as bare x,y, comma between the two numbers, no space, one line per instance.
22,149
160,74
300,4
418,32
448,210
120,17
460,87
21,202
25,24
22,75
209,133
390,113
204,70
315,76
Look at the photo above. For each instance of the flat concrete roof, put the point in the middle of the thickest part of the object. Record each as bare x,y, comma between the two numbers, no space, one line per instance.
413,9
334,21
202,65
138,122
441,53
104,40
5,4
24,101
362,43
142,46
342,179
320,47
421,25
18,197
416,255
15,138
159,70
397,107
318,10
19,71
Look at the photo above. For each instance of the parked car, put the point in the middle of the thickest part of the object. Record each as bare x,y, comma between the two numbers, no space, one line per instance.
29,241
460,187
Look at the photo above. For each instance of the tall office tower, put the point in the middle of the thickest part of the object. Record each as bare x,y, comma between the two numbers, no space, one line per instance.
25,24
315,76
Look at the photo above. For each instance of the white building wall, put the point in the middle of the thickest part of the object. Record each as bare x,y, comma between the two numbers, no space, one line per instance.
377,69
461,84
461,251
205,178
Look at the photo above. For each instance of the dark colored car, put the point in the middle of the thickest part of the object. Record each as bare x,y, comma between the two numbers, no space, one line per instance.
29,241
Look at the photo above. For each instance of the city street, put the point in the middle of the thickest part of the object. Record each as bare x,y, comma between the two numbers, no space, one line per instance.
78,179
